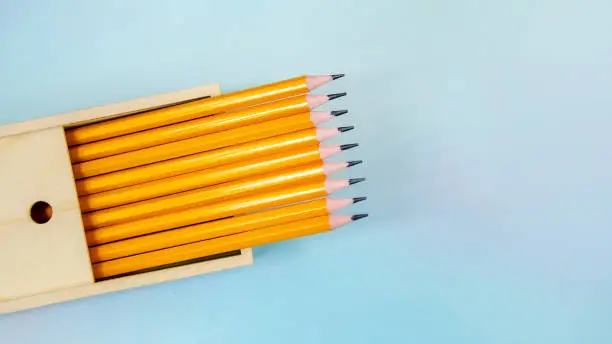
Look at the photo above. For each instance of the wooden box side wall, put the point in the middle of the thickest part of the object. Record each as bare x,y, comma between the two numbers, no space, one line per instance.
62,121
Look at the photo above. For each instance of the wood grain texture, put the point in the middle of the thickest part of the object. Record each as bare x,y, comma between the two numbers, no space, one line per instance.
96,114
38,257
42,264
166,275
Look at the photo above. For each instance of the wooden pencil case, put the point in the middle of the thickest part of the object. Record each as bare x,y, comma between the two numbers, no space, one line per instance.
46,263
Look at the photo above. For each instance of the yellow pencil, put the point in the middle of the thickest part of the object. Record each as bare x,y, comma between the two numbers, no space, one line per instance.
193,145
228,243
215,211
207,177
196,127
200,161
214,229
198,197
196,109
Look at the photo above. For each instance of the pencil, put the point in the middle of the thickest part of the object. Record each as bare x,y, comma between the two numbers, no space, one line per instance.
216,193
207,177
215,211
195,145
215,229
228,243
200,161
197,127
195,109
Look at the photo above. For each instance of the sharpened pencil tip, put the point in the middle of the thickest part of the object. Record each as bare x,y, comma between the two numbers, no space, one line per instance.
358,216
337,76
339,112
358,199
356,180
354,162
348,146
343,129
335,95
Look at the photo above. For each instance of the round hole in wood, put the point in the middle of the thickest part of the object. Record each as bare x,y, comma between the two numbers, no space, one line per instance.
41,212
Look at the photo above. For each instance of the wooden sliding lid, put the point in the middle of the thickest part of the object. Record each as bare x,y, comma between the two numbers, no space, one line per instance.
41,234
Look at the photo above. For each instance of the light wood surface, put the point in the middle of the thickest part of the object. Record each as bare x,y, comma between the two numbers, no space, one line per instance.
166,275
42,264
39,257
96,114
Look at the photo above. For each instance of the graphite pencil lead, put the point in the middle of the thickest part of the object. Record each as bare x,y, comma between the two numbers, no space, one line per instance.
343,129
358,216
354,162
337,76
348,146
339,112
356,180
359,199
336,95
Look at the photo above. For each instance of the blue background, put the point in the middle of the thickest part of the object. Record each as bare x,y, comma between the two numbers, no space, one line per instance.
485,126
